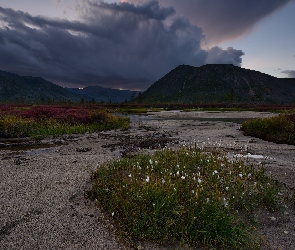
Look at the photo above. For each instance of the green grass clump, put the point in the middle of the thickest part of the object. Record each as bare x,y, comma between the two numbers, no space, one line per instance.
187,195
278,129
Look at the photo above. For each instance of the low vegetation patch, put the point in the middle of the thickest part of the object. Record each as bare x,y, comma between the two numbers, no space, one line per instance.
278,129
189,196
40,121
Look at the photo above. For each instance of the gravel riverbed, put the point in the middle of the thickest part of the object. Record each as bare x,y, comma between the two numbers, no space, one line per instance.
42,199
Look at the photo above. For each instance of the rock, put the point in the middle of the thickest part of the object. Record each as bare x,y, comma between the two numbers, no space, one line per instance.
273,218
83,150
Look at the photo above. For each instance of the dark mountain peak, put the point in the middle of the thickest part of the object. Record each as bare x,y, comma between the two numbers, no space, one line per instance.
219,83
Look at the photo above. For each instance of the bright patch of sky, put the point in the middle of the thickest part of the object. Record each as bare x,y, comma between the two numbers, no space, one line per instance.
270,47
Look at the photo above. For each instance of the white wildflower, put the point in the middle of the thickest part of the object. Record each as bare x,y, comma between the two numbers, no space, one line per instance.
225,203
147,179
183,177
199,181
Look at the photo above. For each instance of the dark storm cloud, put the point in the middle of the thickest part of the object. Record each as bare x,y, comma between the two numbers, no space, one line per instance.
289,73
117,45
150,9
224,19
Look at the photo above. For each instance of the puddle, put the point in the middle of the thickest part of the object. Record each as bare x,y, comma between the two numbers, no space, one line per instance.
250,156
4,141
31,149
40,150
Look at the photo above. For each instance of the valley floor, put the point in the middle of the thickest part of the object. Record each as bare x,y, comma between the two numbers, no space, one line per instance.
43,201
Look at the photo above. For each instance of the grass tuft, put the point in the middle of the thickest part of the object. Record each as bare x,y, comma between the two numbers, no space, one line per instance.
278,129
186,195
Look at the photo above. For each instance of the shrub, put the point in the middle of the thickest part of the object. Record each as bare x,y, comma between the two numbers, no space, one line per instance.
278,129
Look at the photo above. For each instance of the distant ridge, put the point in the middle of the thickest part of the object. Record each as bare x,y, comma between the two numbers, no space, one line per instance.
101,94
220,83
27,89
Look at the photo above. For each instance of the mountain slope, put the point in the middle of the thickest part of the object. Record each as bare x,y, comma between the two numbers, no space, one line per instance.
27,89
214,83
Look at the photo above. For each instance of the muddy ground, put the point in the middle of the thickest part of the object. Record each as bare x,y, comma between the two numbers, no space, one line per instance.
43,184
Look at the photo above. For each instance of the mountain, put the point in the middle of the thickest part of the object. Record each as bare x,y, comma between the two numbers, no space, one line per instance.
27,89
219,83
101,94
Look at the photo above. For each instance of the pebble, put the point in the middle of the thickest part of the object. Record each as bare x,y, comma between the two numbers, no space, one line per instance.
273,218
286,232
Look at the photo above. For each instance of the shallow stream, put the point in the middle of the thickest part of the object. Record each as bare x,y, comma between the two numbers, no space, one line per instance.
148,117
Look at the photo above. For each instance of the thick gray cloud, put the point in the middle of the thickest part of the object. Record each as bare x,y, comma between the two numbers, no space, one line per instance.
117,45
224,19
220,56
289,73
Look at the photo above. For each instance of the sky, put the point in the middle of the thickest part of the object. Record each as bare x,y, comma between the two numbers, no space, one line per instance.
129,44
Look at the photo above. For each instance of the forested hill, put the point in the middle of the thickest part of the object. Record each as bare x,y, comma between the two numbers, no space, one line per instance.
220,83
